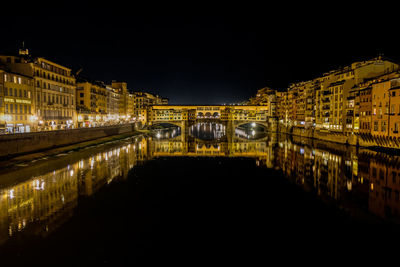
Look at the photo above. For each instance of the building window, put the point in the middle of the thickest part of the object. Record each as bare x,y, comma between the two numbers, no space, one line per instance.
381,175
383,126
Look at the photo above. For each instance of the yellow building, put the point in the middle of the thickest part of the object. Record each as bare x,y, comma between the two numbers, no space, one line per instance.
54,90
282,109
122,89
130,107
383,104
329,102
113,99
16,108
91,101
173,113
142,101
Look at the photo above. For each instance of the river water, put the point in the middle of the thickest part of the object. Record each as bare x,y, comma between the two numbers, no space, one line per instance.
170,197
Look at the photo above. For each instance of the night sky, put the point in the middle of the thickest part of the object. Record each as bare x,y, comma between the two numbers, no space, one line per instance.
202,53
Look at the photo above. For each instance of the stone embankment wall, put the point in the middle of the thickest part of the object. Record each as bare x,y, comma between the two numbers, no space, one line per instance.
363,140
14,144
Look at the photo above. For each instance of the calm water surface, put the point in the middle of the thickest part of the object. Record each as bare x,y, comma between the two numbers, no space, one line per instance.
171,197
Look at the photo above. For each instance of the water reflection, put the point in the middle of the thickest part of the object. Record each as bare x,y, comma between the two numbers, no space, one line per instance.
41,203
166,133
251,131
357,181
207,130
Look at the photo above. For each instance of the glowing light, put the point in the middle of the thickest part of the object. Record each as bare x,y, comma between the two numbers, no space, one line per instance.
11,193
33,118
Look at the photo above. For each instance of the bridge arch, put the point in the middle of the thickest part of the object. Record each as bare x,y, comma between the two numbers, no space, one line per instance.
264,125
164,123
251,130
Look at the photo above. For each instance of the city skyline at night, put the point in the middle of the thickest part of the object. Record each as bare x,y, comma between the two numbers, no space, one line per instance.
180,133
201,55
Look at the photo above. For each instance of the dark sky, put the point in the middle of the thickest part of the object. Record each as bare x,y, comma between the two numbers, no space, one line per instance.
202,53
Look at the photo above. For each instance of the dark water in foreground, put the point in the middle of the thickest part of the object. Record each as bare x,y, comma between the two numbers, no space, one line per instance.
185,200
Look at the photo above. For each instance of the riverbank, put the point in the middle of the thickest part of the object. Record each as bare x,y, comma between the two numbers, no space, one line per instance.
22,160
383,143
24,143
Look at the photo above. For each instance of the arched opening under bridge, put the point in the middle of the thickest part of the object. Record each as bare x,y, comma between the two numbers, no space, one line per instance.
251,130
165,130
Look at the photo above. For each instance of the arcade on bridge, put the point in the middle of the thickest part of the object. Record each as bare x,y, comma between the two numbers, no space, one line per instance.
232,116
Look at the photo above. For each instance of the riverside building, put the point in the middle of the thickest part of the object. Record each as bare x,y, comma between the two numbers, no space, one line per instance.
91,101
16,107
53,97
142,101
334,101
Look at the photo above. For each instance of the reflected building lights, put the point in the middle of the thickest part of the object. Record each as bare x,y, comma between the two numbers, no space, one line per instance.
334,174
41,199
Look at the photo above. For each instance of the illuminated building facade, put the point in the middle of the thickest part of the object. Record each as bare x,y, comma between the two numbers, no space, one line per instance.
122,89
142,101
394,112
113,98
54,90
334,101
91,101
16,107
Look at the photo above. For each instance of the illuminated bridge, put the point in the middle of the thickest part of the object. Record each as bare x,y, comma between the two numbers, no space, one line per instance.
231,116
